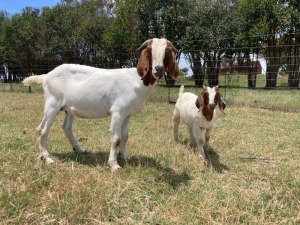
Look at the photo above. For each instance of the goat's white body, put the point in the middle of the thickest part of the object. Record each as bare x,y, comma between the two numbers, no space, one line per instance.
199,128
89,92
189,113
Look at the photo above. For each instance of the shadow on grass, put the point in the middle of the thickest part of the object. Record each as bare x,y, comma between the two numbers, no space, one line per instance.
213,159
163,173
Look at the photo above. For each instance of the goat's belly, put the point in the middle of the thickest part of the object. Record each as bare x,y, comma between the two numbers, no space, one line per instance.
88,112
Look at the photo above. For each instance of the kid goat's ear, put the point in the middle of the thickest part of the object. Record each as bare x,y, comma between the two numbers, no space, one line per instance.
199,102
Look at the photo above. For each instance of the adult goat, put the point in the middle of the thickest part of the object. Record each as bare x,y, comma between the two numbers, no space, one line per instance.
89,92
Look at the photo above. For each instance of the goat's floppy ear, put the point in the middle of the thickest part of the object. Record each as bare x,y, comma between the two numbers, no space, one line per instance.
143,64
199,102
174,70
221,101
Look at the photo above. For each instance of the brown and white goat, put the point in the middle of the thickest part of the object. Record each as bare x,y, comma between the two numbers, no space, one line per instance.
90,92
199,114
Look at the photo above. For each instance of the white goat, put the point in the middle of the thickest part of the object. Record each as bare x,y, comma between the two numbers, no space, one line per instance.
198,113
89,92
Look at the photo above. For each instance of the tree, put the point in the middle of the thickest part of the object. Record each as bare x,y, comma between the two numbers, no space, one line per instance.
267,21
208,37
292,41
20,34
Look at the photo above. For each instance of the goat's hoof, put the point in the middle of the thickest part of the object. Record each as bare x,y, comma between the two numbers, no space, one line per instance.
125,158
115,168
78,150
202,157
47,160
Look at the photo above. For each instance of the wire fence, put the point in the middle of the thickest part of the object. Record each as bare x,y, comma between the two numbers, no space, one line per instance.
243,68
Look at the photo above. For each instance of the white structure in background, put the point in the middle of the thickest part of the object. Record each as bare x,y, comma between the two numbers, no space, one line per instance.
184,64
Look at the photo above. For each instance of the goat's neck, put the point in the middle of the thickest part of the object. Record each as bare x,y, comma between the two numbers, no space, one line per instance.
144,91
207,113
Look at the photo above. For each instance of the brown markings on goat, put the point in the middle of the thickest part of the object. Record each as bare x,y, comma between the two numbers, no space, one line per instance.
117,143
170,64
203,100
218,100
144,66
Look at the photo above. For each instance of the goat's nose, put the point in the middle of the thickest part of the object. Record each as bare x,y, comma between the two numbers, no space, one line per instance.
159,69
212,106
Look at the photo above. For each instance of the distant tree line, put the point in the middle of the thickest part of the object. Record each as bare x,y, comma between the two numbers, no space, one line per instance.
106,33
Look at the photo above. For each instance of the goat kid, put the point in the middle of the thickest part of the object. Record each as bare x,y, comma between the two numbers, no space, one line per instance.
199,114
89,92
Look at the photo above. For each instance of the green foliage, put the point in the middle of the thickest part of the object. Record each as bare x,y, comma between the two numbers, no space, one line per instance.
107,33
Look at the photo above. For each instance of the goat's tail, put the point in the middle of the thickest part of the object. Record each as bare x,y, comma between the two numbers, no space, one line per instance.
33,80
181,90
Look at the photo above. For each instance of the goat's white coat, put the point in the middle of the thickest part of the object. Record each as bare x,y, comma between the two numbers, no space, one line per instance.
90,92
186,112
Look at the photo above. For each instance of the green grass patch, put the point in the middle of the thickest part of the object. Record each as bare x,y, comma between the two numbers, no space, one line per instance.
253,176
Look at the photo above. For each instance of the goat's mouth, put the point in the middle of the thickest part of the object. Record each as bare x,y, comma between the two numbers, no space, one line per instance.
158,72
157,76
212,107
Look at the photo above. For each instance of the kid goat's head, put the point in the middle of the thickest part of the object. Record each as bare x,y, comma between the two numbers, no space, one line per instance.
207,101
157,57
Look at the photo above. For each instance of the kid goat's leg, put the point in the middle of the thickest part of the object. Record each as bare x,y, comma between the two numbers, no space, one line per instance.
176,122
43,130
198,132
207,137
67,127
192,135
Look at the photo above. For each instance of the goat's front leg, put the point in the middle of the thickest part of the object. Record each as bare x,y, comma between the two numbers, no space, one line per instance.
192,136
198,132
115,127
124,138
67,127
207,137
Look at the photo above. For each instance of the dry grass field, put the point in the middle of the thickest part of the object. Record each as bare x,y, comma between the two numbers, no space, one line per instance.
253,175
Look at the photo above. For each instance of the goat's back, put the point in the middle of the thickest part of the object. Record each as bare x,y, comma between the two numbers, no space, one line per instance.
189,113
185,104
91,92
78,80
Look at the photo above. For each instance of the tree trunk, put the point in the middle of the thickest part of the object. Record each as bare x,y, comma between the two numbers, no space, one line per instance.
213,68
197,69
251,71
294,64
273,58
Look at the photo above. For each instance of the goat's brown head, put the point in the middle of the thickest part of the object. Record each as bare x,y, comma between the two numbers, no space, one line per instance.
157,57
207,101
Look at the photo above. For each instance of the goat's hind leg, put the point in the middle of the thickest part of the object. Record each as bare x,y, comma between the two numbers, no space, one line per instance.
176,122
116,126
124,138
67,127
43,131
